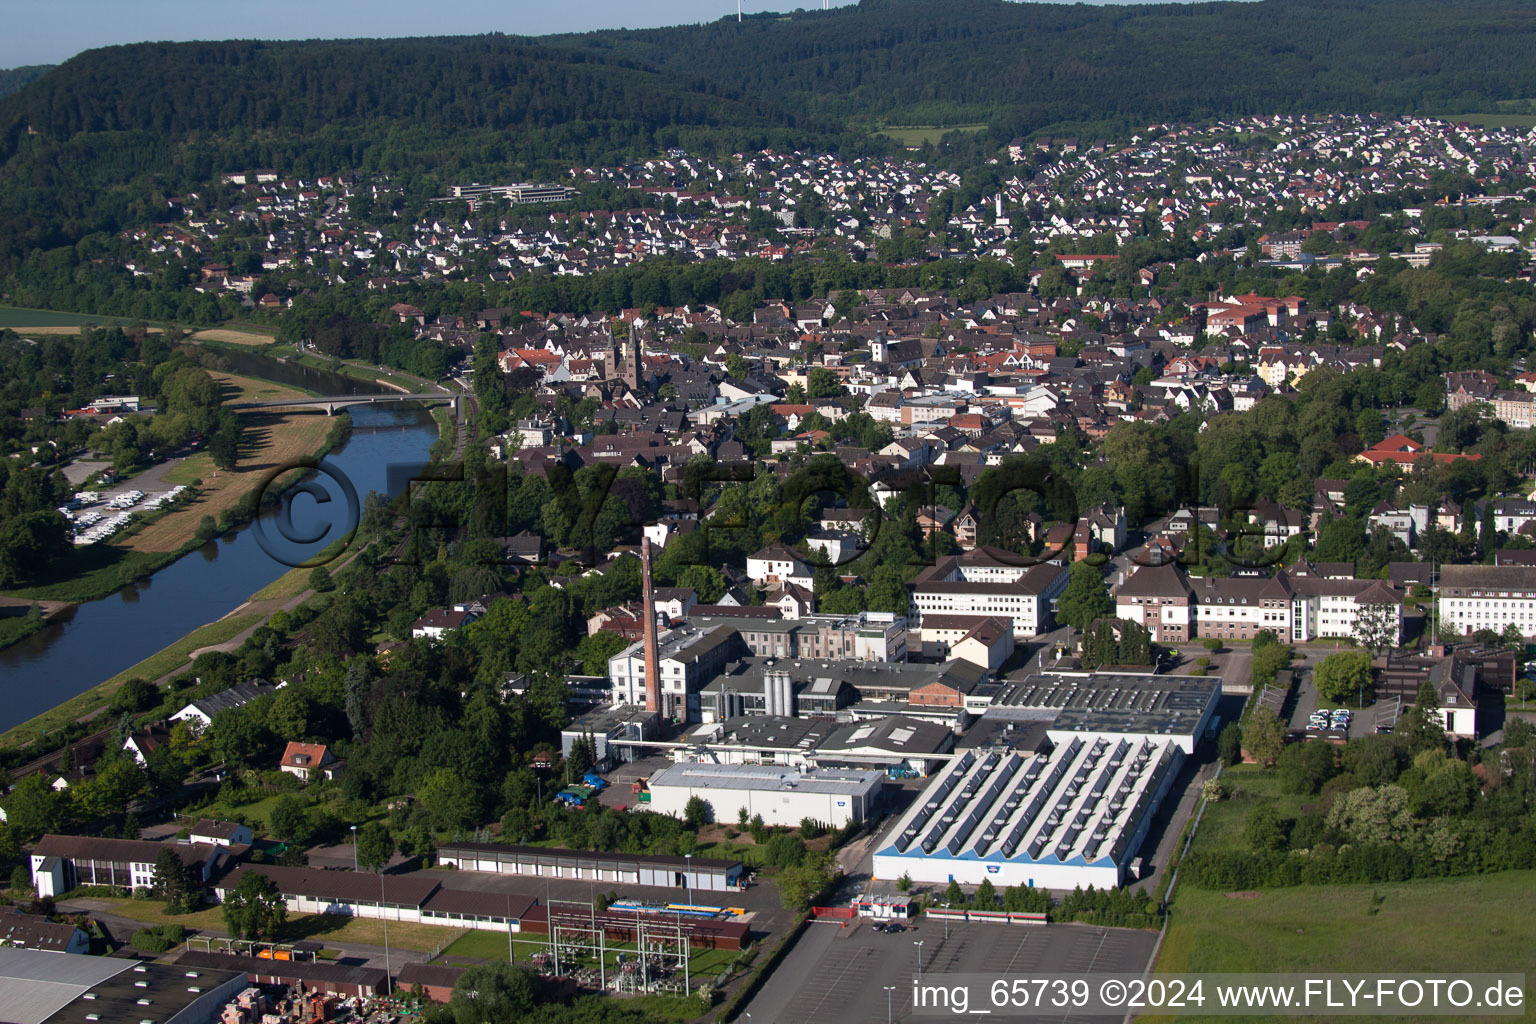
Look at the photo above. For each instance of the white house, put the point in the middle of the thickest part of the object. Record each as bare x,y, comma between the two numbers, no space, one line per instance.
777,564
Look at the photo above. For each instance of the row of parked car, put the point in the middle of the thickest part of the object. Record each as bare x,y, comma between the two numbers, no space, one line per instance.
1323,720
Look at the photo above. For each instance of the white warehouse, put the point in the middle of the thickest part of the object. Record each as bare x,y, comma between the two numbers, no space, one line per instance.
783,796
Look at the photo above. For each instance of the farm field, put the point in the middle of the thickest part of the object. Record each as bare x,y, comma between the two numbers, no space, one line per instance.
233,337
918,135
1322,928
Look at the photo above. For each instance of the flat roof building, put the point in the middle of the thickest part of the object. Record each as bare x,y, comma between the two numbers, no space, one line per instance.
65,988
782,796
1176,708
1073,816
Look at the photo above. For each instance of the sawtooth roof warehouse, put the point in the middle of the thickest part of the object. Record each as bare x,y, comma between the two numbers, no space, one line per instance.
1072,813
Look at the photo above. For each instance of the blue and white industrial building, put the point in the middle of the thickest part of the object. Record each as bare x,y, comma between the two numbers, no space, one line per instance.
1071,812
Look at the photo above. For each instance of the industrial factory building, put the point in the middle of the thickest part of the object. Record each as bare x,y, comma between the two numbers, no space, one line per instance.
782,796
1064,809
1072,817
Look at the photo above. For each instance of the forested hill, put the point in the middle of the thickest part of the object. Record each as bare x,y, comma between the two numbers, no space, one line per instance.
95,144
1029,65
12,79
444,85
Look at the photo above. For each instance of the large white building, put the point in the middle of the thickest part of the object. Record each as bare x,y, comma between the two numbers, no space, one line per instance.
1075,815
833,796
1070,811
989,582
1296,606
777,565
1474,597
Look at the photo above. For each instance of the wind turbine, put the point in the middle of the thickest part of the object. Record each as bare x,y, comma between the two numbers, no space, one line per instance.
738,12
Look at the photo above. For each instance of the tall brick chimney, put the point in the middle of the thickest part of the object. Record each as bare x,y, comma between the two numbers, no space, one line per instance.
652,666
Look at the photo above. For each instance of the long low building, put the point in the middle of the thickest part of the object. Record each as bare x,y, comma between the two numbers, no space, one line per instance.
699,873
1074,816
782,796
387,897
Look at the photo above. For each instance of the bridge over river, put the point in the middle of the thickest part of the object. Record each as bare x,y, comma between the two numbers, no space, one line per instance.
330,403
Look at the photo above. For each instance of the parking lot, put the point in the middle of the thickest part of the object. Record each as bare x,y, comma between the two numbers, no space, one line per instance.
1305,701
839,975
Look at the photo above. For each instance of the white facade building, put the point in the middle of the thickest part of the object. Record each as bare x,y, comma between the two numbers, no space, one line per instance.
782,796
981,583
1474,597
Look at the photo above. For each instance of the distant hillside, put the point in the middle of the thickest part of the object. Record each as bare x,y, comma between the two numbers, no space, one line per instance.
89,146
13,79
1025,65
96,144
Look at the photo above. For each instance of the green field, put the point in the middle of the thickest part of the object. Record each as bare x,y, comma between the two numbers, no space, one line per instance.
1494,120
1482,923
17,316
1436,927
918,135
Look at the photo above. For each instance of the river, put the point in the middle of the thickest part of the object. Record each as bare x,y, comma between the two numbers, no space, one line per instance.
102,638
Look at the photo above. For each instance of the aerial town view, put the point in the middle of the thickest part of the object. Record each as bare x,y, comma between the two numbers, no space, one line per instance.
887,510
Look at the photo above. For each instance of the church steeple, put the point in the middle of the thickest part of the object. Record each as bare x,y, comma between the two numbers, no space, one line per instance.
634,371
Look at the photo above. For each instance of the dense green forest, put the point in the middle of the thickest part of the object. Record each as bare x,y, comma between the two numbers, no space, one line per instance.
1022,66
13,79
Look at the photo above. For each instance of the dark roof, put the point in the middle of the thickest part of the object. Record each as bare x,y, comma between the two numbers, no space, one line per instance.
303,970
32,932
236,696
478,904
435,975
342,886
140,851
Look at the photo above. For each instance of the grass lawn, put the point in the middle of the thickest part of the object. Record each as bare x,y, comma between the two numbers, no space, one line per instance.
1481,923
335,928
228,337
1435,927
290,584
389,378
153,667
1494,120
1222,824
54,321
89,572
493,946
271,441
